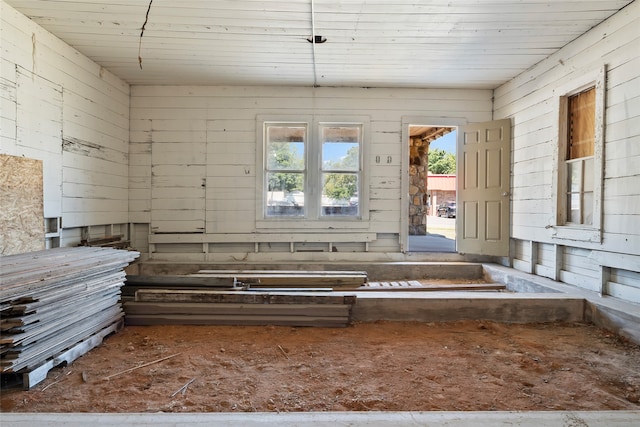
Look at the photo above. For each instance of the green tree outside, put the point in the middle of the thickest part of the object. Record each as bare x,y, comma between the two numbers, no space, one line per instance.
342,186
441,162
284,156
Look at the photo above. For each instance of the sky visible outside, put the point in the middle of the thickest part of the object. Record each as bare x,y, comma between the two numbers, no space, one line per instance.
336,152
447,143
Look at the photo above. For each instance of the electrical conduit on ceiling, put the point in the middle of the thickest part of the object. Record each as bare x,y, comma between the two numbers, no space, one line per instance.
313,44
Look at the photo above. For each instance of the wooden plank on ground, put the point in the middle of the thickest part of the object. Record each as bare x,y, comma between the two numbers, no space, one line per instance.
164,280
38,374
182,319
298,272
240,297
298,278
307,310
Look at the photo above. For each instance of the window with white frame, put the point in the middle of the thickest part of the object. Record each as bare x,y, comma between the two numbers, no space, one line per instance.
581,127
285,169
580,151
340,168
312,170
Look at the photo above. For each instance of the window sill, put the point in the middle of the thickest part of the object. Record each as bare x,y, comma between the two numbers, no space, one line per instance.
319,225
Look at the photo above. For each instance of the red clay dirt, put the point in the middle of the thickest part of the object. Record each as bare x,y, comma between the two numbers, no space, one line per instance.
394,366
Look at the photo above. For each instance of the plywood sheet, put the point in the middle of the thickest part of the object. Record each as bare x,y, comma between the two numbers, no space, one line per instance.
21,198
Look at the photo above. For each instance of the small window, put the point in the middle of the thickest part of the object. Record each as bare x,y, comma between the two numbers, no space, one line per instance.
285,168
340,169
579,158
577,187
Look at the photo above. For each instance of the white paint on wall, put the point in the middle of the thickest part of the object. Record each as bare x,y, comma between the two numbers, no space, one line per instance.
60,107
530,100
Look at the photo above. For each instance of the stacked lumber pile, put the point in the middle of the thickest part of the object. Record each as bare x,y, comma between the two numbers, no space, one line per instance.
219,307
116,242
137,282
57,304
276,280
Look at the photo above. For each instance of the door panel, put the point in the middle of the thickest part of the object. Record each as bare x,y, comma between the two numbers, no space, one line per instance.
484,153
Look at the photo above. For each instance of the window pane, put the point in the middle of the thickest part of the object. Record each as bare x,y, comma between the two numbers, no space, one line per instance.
573,208
285,147
340,134
581,124
340,194
285,156
344,156
285,195
574,175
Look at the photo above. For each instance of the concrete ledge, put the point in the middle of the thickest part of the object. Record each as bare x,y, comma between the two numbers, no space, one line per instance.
619,316
331,419
448,307
376,271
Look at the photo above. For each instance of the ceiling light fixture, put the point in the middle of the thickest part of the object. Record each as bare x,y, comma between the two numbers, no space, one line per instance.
316,39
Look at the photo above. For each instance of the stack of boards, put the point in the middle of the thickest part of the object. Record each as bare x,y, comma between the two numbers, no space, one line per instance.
236,297
57,304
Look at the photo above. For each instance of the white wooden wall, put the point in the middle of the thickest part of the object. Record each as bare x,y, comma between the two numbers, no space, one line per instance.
62,108
529,100
187,142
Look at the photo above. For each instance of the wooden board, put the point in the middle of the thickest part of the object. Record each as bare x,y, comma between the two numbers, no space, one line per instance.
257,278
21,198
240,297
203,319
415,285
306,310
37,375
181,281
208,307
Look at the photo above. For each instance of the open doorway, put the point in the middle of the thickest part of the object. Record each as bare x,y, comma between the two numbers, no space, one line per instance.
432,188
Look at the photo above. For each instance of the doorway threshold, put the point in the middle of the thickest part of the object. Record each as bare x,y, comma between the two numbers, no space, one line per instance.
432,243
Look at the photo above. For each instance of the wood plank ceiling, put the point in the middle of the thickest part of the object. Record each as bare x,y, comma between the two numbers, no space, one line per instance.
370,43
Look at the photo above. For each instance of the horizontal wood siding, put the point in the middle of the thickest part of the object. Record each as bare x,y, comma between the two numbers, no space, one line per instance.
60,107
529,100
370,43
624,284
225,117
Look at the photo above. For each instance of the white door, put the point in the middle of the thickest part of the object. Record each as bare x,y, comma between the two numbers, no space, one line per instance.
484,156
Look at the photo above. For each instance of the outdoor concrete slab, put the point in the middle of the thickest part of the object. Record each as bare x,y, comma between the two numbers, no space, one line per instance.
332,419
376,271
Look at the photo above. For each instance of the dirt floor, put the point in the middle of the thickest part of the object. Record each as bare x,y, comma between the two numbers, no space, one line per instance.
468,365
